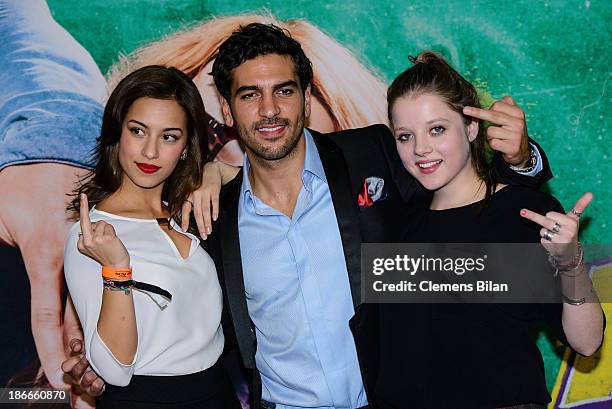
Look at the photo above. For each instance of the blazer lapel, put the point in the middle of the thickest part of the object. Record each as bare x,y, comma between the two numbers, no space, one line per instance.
229,240
345,206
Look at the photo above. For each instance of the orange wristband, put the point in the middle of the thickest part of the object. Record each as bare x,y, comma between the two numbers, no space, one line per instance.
120,274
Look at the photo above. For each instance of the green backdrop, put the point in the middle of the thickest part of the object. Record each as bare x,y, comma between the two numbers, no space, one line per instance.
551,56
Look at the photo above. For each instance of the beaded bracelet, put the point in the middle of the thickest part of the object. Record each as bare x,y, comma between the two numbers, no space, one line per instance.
115,285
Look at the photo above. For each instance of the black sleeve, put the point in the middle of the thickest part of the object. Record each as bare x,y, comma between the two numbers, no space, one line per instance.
406,184
212,246
228,329
503,174
410,189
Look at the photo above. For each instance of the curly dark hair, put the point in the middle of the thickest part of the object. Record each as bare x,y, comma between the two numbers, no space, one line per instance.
153,81
431,74
254,40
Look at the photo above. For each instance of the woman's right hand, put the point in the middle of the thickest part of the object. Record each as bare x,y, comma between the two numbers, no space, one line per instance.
205,200
99,241
559,232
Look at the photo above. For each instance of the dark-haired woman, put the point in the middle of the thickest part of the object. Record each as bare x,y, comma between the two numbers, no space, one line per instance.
146,293
471,356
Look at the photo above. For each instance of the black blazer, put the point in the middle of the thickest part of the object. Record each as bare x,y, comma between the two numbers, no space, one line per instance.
348,158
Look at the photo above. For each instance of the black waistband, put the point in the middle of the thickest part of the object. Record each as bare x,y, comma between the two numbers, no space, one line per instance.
170,389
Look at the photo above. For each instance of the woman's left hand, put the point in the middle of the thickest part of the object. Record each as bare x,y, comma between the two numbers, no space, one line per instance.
559,231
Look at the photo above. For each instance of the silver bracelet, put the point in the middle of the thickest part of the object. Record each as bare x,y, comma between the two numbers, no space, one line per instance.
577,301
571,266
574,301
529,166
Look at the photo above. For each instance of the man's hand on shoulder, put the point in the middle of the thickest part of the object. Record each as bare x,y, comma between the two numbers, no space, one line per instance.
77,368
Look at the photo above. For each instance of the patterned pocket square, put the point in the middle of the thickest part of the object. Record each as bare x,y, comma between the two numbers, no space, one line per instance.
372,191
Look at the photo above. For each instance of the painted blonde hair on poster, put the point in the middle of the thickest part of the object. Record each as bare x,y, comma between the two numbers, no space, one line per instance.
351,93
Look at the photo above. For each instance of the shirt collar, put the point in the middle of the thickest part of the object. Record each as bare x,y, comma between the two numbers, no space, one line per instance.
312,160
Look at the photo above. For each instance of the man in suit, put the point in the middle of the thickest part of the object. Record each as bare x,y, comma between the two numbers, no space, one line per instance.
287,241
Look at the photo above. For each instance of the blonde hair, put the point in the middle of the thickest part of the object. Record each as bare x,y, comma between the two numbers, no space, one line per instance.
353,96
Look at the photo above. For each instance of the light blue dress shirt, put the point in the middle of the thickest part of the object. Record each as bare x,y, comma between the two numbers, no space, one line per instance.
298,296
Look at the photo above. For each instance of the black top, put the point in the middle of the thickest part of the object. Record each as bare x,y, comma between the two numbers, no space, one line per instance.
468,355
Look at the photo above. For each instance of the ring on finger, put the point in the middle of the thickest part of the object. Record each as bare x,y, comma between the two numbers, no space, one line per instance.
556,228
576,212
548,235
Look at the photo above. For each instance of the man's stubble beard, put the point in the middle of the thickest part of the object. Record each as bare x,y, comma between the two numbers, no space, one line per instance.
266,156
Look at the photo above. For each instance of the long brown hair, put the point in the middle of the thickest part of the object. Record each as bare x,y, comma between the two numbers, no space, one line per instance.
157,82
431,74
